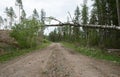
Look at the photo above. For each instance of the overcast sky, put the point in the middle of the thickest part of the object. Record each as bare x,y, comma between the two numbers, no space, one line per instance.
55,8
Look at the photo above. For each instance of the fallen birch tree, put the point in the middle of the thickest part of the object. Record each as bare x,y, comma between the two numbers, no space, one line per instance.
112,27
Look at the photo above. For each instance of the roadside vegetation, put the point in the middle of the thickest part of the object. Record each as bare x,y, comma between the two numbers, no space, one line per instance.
27,33
23,36
96,53
84,39
14,52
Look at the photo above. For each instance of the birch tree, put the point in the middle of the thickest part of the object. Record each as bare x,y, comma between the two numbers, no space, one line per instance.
20,5
1,22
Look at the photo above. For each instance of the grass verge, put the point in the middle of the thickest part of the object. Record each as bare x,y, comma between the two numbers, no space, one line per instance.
93,52
15,53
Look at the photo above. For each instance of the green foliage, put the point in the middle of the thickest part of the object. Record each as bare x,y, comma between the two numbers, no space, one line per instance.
26,33
93,52
23,15
84,22
84,14
19,3
11,14
93,18
18,52
35,14
54,36
77,15
42,16
104,12
76,30
45,41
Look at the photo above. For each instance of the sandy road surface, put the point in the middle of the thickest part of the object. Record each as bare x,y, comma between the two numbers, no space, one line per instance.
57,61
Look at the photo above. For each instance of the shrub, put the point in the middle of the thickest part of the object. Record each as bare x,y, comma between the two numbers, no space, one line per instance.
26,33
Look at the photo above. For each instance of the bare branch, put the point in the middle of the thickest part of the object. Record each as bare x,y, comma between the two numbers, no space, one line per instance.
70,17
52,18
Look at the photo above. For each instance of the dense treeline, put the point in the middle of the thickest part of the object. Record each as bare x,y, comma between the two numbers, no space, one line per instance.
104,12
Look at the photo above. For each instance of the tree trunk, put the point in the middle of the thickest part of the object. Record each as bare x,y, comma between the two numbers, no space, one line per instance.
118,11
19,14
88,26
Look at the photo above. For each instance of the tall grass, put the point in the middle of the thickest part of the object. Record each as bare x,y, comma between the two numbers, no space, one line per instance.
93,52
18,52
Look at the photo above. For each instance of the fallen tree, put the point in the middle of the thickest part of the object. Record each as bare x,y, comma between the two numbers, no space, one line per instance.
112,27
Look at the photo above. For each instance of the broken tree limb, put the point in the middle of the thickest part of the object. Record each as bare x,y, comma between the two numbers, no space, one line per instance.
112,27
53,18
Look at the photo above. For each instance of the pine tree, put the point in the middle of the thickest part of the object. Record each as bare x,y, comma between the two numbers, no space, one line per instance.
107,15
43,14
76,21
93,17
35,14
77,15
85,21
23,15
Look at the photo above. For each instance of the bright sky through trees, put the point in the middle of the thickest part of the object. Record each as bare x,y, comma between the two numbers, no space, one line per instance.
56,8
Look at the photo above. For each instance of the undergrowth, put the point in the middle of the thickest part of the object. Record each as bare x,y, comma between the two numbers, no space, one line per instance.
93,52
13,53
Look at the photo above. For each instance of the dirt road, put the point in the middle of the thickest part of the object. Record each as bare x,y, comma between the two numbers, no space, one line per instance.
57,61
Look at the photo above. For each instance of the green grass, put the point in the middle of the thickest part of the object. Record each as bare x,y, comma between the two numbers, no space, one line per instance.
93,52
16,53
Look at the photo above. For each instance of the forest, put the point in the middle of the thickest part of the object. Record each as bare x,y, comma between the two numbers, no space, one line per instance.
83,41
97,28
103,13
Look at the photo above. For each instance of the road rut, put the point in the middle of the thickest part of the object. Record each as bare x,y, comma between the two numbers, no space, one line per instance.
58,61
